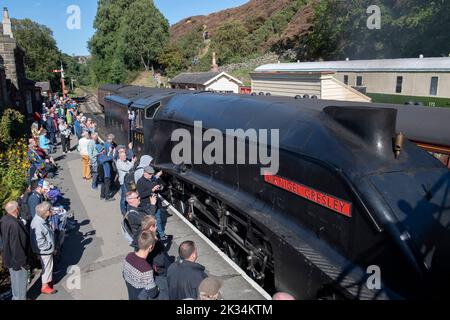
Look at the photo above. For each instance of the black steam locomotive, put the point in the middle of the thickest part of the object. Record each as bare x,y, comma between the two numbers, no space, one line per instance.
355,211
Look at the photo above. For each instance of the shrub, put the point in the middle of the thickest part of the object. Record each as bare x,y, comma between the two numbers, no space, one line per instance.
13,156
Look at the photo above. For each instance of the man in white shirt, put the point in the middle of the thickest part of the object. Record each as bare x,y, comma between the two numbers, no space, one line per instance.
123,167
83,149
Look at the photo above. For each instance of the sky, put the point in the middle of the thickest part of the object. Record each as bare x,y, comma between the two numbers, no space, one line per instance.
56,13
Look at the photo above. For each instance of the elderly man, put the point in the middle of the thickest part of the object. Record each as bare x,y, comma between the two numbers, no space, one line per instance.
84,152
43,244
123,167
16,250
185,275
135,214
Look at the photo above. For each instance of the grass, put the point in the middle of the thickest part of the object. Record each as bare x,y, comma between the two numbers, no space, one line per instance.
399,99
243,75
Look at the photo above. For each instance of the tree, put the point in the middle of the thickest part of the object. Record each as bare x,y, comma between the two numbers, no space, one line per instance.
408,28
147,31
103,44
230,42
42,54
172,59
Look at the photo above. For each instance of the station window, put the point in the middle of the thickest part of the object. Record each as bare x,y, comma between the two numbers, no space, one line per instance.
434,86
151,111
399,86
346,79
359,81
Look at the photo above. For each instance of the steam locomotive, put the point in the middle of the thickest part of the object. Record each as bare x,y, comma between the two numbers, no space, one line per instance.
355,211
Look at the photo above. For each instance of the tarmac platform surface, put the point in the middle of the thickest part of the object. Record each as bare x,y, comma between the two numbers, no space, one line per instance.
92,257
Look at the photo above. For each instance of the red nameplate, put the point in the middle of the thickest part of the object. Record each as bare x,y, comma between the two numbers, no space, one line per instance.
323,199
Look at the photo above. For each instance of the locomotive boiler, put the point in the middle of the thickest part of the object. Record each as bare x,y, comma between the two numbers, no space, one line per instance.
355,211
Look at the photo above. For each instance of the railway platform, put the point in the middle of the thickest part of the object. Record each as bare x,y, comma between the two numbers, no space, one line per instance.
90,267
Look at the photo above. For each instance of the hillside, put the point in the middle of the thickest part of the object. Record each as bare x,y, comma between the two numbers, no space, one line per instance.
277,19
311,30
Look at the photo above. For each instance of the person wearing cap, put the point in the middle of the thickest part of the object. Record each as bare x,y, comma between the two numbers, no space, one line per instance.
36,197
146,187
209,289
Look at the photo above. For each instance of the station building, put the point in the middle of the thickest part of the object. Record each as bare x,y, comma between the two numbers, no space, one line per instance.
421,80
214,81
16,90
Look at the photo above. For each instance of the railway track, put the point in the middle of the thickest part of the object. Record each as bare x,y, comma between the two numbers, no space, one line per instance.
93,110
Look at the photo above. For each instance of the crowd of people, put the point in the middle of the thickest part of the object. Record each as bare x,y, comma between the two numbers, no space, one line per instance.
33,229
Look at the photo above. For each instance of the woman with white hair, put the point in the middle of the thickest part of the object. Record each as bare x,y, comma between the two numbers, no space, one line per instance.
43,244
84,152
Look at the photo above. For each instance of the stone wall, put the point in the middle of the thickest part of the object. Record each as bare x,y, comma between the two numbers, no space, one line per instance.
251,64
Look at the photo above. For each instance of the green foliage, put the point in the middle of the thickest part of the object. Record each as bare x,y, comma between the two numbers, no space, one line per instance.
146,33
42,54
13,157
408,28
11,127
230,42
182,55
129,35
264,33
173,60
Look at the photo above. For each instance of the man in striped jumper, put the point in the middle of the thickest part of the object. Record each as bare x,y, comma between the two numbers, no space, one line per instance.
138,273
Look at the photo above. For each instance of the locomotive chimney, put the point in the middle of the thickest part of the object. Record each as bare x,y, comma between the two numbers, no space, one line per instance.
376,126
215,67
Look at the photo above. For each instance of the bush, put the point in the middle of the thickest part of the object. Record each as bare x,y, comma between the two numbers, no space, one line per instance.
13,166
13,172
13,156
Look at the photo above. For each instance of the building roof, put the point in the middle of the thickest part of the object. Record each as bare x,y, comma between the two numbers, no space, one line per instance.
45,86
194,77
383,65
202,78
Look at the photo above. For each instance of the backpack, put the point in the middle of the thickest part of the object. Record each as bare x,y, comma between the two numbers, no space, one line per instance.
126,230
129,182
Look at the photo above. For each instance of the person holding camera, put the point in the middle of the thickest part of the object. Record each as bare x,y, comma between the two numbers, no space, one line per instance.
147,186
